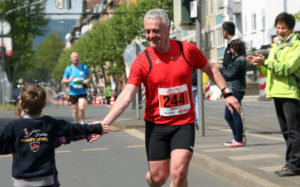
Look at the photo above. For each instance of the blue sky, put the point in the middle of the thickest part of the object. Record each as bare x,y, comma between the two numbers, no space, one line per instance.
76,8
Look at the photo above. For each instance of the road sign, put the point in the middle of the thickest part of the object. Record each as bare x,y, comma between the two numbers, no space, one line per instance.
4,27
131,51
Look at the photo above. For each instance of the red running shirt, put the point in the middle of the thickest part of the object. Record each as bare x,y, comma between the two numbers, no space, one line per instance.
169,97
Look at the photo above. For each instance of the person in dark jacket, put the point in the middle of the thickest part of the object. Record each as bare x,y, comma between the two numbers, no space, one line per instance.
235,76
33,137
228,29
195,96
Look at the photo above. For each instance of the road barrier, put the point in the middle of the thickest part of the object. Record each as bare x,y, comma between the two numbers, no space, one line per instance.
262,86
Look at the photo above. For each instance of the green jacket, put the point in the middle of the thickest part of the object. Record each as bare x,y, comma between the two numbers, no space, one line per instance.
282,62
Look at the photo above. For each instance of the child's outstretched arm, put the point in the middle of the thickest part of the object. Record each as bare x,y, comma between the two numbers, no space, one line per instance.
66,140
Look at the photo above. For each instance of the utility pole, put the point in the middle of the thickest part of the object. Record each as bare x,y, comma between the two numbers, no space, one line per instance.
199,72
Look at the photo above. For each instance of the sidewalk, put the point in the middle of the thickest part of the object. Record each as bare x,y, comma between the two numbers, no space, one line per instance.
252,165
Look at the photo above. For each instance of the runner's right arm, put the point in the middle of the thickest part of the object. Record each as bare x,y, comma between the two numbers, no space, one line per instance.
122,102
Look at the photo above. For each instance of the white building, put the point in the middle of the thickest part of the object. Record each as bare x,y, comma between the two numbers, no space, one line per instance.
258,17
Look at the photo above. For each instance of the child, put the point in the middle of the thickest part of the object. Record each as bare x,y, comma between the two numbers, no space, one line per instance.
34,137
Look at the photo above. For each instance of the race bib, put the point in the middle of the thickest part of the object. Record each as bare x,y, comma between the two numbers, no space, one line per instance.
174,101
77,82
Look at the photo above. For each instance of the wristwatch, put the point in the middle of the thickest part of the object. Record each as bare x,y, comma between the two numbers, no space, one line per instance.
226,92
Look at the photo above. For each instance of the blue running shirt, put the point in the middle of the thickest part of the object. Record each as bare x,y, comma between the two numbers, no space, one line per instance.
79,73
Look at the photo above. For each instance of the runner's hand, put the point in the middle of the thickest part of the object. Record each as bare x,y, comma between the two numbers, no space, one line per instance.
230,102
105,129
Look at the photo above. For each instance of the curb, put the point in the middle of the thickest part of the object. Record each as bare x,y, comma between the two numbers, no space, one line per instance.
221,168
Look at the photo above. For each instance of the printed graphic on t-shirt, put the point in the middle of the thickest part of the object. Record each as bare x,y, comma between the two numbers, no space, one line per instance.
34,138
174,100
77,82
34,146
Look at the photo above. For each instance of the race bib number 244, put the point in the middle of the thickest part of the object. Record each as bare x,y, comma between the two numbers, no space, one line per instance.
173,101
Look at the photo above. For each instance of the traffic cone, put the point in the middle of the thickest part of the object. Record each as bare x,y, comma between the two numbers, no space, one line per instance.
112,100
66,102
94,101
97,100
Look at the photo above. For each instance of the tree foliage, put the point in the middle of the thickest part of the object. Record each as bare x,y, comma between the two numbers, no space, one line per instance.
102,48
26,23
297,15
46,57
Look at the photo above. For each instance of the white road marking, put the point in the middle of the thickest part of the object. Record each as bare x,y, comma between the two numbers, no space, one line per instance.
253,157
95,149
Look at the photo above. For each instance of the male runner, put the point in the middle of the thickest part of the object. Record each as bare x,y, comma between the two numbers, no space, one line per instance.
77,76
166,71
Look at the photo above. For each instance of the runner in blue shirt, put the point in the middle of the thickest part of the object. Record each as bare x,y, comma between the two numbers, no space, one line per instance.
77,76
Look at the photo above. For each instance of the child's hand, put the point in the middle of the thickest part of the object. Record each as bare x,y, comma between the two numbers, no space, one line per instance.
105,129
94,137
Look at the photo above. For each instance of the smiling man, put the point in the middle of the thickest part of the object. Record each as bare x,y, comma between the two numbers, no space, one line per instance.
165,68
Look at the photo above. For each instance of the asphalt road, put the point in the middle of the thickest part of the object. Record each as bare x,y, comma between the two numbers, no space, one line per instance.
118,159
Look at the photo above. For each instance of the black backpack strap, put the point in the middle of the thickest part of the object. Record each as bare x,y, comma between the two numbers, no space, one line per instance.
181,49
150,62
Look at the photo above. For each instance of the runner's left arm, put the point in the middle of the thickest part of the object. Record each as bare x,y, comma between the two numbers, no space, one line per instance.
217,78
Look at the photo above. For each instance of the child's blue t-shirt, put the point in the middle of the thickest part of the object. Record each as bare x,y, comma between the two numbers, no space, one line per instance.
79,73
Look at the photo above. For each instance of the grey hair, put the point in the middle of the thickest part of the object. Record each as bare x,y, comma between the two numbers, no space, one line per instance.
160,14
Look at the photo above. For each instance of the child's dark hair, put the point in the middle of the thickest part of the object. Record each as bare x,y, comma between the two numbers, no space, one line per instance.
33,99
238,46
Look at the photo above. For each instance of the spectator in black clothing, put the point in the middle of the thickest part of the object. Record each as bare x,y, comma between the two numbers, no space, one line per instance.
235,78
195,96
33,138
228,34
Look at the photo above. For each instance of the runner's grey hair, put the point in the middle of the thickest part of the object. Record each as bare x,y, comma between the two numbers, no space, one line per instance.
158,13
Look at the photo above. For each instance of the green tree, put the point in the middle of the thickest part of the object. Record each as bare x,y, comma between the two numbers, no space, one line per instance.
26,23
297,15
46,57
102,48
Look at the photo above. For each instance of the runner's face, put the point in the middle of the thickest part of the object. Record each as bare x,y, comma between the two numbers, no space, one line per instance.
74,58
157,34
282,31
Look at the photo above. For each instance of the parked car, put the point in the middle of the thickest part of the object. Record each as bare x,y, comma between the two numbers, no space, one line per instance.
15,95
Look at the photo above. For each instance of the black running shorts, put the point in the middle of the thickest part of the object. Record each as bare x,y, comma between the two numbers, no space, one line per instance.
162,139
74,98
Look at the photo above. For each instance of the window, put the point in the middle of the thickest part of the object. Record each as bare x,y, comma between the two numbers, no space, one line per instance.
220,37
212,39
253,20
211,7
207,40
263,19
219,6
246,25
206,8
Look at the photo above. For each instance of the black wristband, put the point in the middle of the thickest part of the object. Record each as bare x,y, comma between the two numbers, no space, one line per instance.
226,92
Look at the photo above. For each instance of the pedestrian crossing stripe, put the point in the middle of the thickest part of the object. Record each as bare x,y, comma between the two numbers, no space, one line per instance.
253,157
135,133
270,168
227,149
